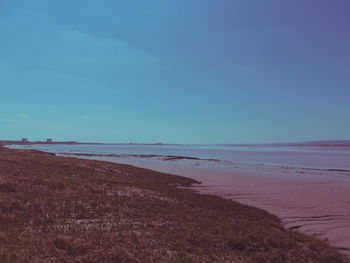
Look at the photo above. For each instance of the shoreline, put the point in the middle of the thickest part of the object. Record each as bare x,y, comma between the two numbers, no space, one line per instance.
311,207
154,219
314,206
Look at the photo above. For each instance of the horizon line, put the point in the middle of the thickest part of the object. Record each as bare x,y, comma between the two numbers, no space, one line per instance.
345,142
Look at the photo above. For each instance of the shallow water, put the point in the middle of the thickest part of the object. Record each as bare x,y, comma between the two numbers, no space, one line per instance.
307,187
296,156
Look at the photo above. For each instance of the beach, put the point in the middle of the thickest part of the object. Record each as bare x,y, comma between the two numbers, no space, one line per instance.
313,206
320,208
307,188
58,209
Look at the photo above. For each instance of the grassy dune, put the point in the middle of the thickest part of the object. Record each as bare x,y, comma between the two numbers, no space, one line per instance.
55,209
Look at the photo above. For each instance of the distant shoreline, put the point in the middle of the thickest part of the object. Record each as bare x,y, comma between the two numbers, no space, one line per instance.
324,143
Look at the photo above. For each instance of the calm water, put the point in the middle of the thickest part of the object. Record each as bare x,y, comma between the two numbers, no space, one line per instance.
311,161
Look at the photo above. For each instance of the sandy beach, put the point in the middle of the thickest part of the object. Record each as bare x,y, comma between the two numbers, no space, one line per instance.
313,205
58,209
316,208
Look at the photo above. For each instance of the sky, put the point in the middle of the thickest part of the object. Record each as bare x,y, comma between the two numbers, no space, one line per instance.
175,71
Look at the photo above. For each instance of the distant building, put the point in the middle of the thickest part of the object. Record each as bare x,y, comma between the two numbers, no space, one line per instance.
25,140
49,140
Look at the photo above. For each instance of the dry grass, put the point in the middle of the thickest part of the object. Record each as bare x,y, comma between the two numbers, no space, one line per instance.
55,209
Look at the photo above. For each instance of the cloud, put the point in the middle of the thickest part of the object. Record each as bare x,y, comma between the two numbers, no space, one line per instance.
74,62
83,49
24,115
42,122
85,116
10,120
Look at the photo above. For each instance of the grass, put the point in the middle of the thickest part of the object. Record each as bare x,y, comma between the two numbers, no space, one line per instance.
56,209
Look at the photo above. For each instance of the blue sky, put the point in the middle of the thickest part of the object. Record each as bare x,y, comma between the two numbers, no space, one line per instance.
184,71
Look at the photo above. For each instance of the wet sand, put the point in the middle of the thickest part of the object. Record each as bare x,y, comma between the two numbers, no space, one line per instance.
315,206
320,208
313,201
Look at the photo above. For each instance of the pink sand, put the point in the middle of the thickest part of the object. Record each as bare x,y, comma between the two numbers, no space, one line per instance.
315,202
307,203
321,208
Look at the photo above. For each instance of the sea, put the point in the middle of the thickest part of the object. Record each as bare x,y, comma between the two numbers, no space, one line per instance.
306,162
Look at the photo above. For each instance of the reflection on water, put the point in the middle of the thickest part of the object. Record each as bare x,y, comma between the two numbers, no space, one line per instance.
327,163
